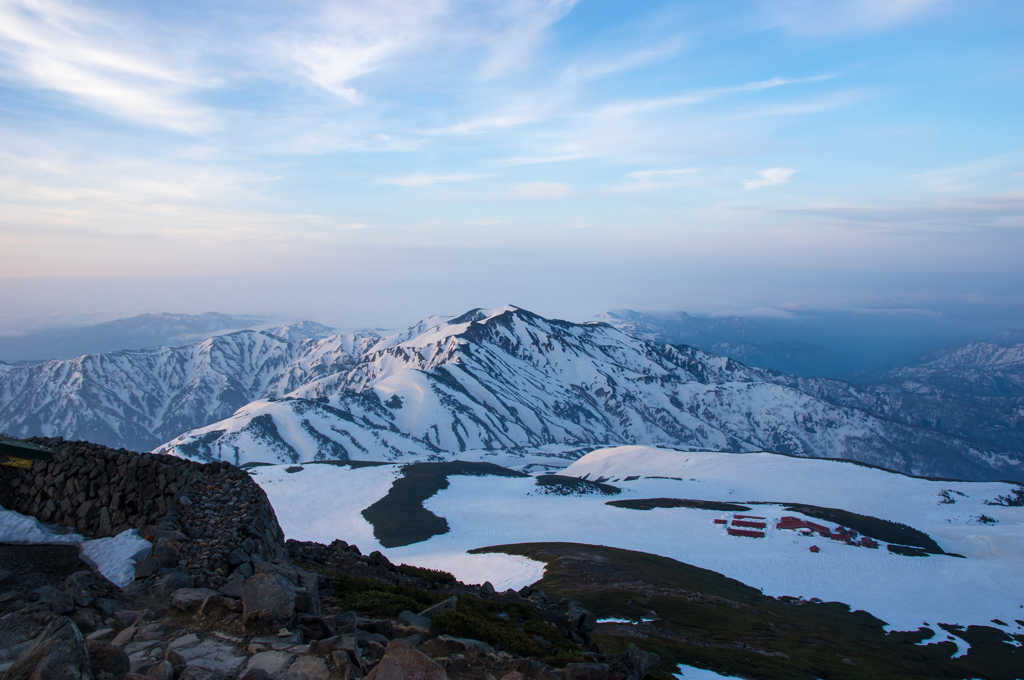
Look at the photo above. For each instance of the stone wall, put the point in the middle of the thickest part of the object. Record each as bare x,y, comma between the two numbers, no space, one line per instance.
209,519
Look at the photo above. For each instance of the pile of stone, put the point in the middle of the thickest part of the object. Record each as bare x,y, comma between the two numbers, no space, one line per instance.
207,520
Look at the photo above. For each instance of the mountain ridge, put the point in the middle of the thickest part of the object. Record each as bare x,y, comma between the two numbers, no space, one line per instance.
498,380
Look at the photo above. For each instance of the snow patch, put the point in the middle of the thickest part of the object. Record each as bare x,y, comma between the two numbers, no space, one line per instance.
114,557
691,673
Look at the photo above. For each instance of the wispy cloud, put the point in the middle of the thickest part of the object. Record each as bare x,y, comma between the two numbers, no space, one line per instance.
704,95
647,175
489,122
427,180
594,66
514,31
352,39
540,191
843,16
984,211
769,177
56,46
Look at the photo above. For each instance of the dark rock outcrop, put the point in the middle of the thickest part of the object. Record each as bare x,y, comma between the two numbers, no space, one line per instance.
59,653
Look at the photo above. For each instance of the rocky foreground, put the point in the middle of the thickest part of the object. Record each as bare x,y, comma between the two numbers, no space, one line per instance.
276,624
222,596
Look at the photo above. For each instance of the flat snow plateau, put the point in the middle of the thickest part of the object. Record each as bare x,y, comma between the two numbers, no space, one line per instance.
324,502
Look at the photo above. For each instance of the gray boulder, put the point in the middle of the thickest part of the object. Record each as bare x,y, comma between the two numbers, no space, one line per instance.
268,599
299,578
88,620
586,671
161,671
167,553
146,567
107,658
413,619
632,664
176,580
402,661
59,653
190,599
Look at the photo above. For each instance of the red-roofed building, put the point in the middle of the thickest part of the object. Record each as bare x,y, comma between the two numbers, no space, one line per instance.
721,521
815,549
750,525
745,532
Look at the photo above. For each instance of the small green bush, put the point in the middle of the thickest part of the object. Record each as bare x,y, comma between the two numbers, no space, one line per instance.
517,631
429,575
374,598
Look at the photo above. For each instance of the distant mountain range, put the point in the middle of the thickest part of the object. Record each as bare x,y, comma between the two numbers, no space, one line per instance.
734,336
137,332
502,380
848,345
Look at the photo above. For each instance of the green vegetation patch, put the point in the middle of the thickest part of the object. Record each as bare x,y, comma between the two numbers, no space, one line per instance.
512,627
400,519
429,575
878,529
706,620
574,486
377,599
651,503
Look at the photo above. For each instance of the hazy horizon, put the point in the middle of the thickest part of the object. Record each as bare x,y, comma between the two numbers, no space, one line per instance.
398,299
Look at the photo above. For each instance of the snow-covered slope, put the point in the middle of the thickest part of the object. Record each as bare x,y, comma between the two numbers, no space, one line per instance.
302,330
904,591
975,391
508,379
500,380
140,398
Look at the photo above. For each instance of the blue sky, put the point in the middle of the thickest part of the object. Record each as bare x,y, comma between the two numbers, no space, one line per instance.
607,138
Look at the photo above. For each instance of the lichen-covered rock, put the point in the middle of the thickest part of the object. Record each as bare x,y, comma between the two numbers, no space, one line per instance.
59,653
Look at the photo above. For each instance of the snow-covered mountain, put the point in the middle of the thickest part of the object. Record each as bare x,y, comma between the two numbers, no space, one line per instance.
144,330
141,398
510,380
504,380
975,391
303,330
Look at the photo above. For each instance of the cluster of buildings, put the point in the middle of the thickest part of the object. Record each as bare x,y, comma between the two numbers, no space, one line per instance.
840,533
754,527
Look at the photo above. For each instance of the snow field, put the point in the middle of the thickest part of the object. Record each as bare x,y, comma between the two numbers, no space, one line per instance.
323,502
905,592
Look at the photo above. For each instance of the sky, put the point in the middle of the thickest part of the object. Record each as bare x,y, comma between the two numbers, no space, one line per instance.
429,157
